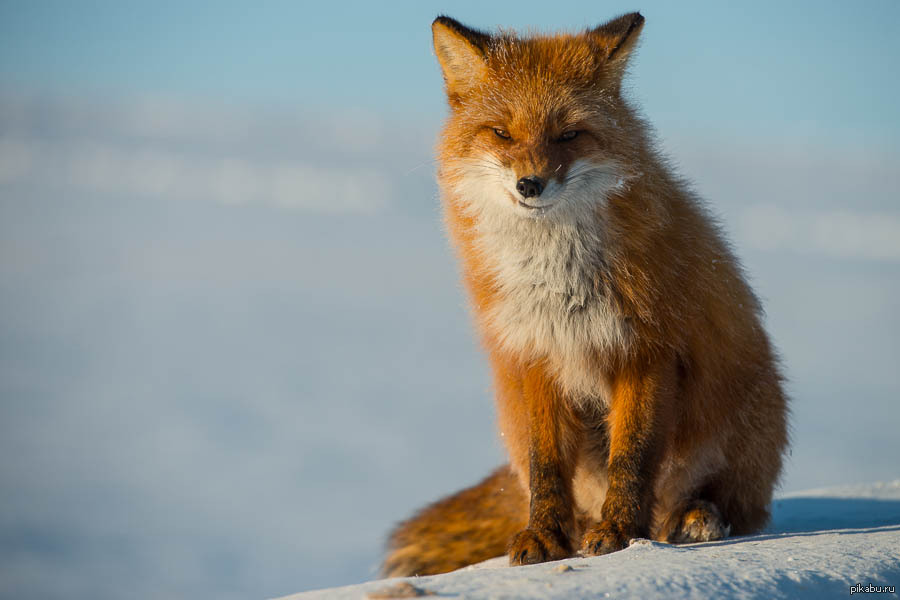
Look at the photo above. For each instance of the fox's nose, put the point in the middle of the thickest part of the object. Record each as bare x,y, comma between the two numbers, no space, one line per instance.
530,186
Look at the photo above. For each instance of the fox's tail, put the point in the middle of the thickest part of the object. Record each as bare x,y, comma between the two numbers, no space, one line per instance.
470,526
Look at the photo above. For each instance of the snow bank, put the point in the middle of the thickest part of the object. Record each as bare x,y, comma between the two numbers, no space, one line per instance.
819,545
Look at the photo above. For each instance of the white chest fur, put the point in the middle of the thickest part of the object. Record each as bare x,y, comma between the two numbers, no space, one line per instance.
552,303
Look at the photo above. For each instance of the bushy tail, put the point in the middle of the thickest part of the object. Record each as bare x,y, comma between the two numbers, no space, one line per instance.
468,527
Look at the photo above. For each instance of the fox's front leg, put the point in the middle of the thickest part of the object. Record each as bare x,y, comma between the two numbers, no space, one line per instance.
639,425
551,449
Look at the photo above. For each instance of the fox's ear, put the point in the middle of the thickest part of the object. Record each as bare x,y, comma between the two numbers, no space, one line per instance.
461,52
617,38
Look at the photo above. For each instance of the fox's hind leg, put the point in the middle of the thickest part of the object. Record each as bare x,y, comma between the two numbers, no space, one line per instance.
729,502
694,521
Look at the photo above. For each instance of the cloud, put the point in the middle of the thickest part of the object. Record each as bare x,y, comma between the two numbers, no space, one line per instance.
173,121
154,148
835,233
156,173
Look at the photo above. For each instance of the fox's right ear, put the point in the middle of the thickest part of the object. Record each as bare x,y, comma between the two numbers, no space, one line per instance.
461,53
617,38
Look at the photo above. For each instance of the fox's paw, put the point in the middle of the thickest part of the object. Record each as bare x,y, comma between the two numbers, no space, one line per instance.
700,521
604,538
534,545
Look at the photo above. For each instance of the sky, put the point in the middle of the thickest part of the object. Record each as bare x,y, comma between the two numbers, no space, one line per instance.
233,344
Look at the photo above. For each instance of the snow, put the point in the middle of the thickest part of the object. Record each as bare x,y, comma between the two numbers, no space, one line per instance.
820,544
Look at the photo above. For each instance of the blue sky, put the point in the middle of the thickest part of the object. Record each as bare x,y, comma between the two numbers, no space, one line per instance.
821,69
233,345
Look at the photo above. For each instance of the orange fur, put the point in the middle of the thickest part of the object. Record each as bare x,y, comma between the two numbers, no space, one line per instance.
636,388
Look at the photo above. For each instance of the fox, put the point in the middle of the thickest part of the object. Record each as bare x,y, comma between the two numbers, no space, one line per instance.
637,391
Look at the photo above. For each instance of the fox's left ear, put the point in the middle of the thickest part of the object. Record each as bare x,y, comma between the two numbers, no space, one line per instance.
617,38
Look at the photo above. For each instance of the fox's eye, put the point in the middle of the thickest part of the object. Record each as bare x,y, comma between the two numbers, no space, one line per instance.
569,135
502,133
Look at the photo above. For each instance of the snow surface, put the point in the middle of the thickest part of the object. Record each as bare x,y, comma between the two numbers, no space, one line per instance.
820,543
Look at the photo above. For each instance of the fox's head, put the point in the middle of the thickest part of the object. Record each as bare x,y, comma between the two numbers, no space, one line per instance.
538,127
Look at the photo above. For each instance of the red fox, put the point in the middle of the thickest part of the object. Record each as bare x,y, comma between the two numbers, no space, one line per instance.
637,391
